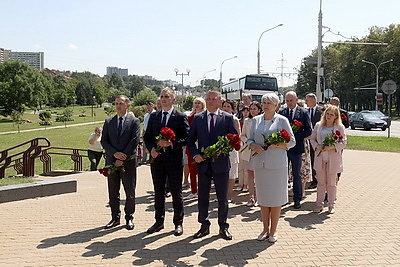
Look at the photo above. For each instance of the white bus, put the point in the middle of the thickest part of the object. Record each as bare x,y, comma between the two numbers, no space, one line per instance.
256,84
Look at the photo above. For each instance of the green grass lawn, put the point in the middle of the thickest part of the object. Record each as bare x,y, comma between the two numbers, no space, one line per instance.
16,180
6,125
77,137
373,143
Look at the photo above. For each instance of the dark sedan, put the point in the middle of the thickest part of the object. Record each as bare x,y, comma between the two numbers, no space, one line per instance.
380,115
367,121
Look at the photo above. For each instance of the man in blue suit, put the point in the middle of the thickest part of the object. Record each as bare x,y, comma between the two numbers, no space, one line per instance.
205,129
295,112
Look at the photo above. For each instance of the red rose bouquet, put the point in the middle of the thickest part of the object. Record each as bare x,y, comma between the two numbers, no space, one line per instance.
109,169
331,140
343,117
281,136
166,134
296,125
224,145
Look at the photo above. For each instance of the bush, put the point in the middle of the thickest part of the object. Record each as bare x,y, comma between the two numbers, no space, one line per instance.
83,112
139,111
65,115
45,118
109,110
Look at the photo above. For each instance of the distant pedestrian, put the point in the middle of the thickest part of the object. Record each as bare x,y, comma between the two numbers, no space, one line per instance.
95,150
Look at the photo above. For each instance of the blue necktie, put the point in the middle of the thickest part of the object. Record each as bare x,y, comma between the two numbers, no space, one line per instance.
291,115
164,119
119,129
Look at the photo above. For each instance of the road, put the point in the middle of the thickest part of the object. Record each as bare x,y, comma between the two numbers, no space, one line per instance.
394,131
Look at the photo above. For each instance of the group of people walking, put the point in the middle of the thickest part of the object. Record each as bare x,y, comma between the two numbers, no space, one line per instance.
261,165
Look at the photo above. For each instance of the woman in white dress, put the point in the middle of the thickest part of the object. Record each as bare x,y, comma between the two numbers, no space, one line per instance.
271,165
228,106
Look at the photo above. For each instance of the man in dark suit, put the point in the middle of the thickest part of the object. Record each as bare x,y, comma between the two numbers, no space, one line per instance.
120,138
205,129
343,113
167,163
315,112
295,112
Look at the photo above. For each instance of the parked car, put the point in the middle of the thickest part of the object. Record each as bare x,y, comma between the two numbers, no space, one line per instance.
351,113
367,121
380,115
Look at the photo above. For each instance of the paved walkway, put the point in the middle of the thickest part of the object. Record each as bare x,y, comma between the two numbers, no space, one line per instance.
54,127
67,230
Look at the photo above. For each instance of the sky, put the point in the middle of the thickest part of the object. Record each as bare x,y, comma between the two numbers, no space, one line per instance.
154,37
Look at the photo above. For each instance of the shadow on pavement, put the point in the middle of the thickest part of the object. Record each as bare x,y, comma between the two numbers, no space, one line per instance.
77,237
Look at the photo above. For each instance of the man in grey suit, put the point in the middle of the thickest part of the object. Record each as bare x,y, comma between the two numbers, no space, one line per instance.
120,138
315,112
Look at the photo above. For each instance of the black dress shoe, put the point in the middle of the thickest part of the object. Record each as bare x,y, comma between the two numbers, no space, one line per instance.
178,230
297,205
112,223
129,224
155,228
201,233
312,186
224,233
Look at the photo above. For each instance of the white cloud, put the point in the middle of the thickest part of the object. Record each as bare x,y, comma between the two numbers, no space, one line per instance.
72,47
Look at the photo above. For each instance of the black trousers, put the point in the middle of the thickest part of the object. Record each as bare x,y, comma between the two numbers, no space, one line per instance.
128,178
162,168
94,157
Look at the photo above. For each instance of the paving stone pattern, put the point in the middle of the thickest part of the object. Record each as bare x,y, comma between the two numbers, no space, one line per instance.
67,230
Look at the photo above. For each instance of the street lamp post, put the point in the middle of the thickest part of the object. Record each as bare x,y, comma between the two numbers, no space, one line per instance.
325,78
220,71
94,99
377,77
183,88
258,50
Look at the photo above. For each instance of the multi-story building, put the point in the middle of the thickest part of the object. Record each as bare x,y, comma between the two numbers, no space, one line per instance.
33,59
4,54
122,72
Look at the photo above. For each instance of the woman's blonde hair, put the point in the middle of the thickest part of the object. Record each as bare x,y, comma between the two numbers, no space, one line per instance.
336,111
203,103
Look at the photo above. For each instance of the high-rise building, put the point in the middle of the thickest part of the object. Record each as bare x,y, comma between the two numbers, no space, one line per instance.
4,54
34,59
122,72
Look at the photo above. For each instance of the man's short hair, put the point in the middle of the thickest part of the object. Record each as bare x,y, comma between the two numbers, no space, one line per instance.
311,95
336,99
170,91
125,98
150,104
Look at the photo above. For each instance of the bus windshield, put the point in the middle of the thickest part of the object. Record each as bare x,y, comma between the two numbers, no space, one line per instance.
260,83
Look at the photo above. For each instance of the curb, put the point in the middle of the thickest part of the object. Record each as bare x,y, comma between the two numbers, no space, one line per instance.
37,189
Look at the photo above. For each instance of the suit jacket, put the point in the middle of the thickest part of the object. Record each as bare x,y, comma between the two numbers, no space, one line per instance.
345,117
178,123
272,158
317,115
335,164
301,115
224,124
128,140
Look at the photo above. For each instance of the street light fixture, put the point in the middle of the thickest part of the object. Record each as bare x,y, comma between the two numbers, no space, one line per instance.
258,51
220,71
183,88
377,77
204,77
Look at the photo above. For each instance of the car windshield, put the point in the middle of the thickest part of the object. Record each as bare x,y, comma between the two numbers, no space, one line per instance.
370,116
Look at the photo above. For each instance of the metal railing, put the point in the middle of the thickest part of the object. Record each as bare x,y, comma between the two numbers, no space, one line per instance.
23,161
